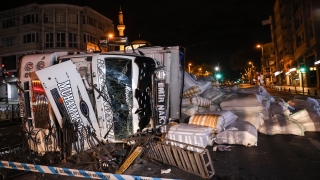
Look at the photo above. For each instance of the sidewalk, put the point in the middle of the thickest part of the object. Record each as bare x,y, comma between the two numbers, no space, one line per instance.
307,91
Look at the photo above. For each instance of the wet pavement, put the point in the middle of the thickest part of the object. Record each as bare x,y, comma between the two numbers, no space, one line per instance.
275,157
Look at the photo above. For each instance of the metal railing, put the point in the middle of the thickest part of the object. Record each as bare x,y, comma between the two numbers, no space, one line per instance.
9,111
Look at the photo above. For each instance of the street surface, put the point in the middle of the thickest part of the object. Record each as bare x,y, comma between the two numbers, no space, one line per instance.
275,157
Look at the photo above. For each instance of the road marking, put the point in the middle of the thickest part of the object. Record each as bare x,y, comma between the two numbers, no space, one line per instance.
315,143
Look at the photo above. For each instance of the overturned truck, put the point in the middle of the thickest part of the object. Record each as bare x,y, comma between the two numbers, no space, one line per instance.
75,103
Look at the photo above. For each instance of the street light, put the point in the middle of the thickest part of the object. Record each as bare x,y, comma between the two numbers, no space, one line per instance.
189,65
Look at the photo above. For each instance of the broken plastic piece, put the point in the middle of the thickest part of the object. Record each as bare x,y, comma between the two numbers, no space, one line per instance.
165,171
223,148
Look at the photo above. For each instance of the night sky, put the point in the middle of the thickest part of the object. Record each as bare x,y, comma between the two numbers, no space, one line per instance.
224,32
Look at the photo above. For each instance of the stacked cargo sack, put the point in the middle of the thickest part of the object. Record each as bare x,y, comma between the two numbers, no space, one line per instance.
241,133
217,120
192,103
282,124
310,120
248,107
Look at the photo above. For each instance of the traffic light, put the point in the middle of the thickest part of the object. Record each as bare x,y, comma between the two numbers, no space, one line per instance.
302,68
218,76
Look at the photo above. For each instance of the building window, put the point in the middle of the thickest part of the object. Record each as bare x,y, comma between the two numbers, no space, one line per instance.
88,20
8,23
31,37
47,18
30,18
60,17
91,21
49,40
8,41
72,40
101,27
73,18
89,38
61,40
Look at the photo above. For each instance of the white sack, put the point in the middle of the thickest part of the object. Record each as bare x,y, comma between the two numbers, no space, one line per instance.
311,101
252,115
282,124
310,120
243,133
266,109
247,107
217,120
302,104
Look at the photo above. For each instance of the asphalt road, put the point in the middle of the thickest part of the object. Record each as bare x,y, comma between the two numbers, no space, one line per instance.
275,157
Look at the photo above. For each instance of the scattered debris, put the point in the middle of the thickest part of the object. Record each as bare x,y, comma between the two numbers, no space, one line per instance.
165,171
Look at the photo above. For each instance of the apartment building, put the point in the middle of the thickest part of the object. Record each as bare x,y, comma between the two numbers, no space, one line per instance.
296,37
44,28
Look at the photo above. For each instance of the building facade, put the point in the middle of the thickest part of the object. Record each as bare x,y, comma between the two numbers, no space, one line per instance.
268,64
49,27
295,28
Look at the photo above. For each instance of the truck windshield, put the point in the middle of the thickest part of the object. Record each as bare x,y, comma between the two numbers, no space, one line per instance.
118,83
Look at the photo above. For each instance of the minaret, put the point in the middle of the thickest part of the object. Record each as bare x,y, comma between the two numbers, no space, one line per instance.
121,26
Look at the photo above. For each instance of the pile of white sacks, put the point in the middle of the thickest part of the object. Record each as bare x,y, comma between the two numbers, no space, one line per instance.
236,115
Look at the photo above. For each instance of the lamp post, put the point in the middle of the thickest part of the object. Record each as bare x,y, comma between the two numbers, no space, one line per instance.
262,59
251,72
189,66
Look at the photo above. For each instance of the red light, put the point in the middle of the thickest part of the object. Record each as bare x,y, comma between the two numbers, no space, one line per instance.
2,65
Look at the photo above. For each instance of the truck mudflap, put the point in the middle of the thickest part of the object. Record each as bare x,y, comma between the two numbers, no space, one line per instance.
69,99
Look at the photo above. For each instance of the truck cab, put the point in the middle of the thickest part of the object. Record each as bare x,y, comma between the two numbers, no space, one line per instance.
112,94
